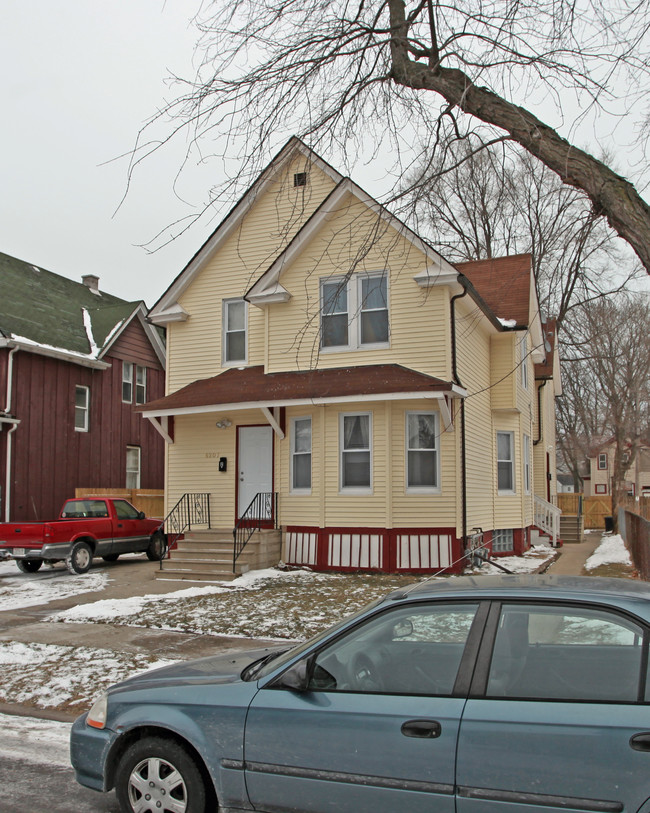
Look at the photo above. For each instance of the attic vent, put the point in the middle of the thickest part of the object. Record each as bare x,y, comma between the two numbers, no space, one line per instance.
92,282
300,179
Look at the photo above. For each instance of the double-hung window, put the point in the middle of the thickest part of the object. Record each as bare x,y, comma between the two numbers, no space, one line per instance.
81,408
133,467
422,464
127,382
301,455
354,312
506,462
128,369
140,384
355,439
602,461
235,316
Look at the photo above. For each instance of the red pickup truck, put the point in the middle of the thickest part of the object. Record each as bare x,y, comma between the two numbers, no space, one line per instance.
86,527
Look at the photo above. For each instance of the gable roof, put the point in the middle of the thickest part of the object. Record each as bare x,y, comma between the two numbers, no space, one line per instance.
250,386
507,285
46,313
504,283
167,309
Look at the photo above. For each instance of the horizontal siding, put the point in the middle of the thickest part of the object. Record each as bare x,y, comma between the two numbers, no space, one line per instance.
272,221
340,247
503,371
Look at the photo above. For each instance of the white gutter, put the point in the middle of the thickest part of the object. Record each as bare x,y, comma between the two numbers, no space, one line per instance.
8,401
54,352
8,471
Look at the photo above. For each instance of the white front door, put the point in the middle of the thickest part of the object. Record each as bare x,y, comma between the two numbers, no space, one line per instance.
255,470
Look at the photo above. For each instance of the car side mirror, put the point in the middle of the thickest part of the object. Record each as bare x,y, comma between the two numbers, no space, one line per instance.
297,677
142,515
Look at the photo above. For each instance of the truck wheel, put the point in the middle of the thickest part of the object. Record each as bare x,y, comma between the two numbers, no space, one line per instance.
157,546
80,558
29,565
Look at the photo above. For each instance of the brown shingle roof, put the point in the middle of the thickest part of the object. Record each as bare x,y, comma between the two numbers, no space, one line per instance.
252,385
504,284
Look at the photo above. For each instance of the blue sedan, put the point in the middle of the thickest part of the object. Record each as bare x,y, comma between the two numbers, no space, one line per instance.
515,693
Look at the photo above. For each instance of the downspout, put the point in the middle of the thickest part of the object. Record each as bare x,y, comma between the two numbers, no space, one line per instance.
10,377
539,412
454,370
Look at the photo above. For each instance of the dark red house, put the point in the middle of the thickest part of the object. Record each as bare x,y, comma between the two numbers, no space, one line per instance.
74,362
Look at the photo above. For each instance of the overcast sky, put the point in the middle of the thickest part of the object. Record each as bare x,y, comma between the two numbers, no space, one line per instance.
79,79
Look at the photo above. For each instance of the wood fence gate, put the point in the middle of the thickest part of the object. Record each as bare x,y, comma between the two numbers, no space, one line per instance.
593,509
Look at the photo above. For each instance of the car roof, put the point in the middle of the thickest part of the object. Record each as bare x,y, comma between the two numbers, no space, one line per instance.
528,586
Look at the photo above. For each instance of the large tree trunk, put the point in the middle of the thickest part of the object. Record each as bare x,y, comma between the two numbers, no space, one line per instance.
611,195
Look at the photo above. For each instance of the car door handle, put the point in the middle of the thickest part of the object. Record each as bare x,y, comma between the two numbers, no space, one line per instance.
641,742
422,729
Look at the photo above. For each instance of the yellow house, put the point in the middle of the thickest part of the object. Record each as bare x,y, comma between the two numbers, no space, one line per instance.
600,481
332,376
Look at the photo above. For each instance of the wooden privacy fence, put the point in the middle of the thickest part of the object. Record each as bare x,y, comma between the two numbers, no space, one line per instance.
593,509
149,500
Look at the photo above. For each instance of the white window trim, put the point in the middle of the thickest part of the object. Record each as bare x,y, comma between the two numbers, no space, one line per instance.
139,470
140,368
603,456
127,379
353,285
86,413
506,491
422,489
354,489
292,488
527,468
224,333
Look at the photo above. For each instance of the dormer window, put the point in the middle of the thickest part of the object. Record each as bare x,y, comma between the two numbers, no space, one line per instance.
300,179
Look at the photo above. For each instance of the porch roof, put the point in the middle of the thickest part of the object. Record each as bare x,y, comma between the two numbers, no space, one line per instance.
251,387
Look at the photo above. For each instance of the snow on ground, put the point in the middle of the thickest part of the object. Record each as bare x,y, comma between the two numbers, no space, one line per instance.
38,741
529,562
611,551
64,677
19,589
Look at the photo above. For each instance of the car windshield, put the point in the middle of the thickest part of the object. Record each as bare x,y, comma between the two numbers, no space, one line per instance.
270,663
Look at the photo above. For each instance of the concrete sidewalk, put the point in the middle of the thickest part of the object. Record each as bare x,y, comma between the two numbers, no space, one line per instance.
572,557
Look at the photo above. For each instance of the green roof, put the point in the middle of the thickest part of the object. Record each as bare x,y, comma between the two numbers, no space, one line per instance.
55,311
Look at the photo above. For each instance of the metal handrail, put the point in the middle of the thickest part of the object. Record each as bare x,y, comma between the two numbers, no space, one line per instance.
192,508
262,509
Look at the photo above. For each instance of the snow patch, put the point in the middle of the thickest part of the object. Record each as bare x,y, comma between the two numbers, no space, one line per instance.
611,551
48,584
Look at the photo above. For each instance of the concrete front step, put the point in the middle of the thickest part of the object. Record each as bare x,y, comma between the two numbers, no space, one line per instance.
192,575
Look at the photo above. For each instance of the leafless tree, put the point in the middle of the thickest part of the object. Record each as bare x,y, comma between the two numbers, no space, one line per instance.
611,354
498,201
377,76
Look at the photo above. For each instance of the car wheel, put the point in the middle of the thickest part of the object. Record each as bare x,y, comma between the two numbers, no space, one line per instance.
29,565
111,557
157,546
80,558
156,774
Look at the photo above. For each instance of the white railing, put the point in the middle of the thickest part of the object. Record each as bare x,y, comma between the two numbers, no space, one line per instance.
547,519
